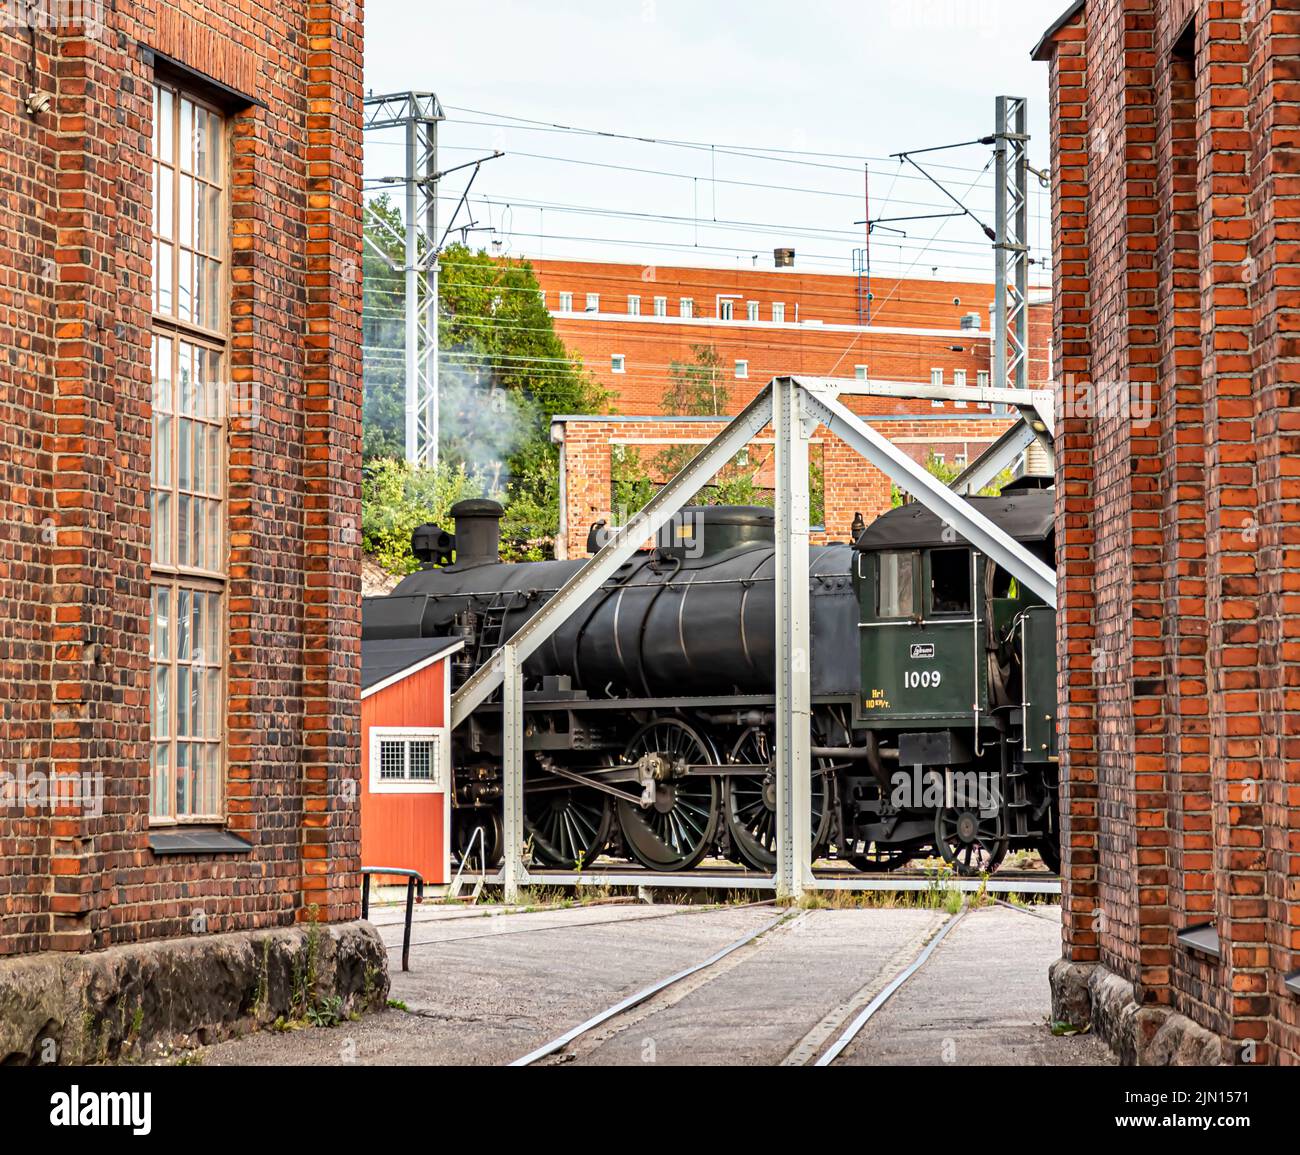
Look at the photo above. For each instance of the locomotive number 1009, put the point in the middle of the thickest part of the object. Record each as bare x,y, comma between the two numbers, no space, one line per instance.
922,679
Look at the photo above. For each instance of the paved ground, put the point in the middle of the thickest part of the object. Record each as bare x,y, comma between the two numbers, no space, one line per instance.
981,998
486,988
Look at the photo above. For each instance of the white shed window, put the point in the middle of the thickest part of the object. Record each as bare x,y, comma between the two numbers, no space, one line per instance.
742,369
408,760
860,372
617,363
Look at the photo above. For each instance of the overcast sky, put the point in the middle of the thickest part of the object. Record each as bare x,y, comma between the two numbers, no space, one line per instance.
855,80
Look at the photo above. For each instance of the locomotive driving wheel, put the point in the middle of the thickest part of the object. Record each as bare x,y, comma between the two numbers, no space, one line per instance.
568,828
677,830
750,803
970,842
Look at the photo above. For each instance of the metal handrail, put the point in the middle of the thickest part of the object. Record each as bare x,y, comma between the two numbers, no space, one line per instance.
464,858
413,879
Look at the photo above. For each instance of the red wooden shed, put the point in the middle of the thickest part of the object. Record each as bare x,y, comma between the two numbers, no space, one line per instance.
406,754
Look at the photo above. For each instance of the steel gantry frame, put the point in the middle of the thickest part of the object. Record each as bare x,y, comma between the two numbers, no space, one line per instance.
418,114
1011,246
795,407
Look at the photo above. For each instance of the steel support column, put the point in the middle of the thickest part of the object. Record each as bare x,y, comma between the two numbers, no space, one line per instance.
512,754
793,644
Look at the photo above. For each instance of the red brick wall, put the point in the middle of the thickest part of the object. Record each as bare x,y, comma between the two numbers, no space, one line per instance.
1175,218
851,485
651,345
75,291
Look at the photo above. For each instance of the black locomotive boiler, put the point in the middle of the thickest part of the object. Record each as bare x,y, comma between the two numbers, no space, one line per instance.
649,714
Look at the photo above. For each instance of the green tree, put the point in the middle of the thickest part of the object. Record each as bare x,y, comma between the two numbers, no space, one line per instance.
503,375
697,388
948,474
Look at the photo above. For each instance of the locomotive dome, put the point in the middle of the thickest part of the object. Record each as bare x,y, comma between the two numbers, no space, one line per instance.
1028,516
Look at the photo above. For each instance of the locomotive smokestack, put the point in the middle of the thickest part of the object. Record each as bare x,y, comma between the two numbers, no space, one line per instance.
478,531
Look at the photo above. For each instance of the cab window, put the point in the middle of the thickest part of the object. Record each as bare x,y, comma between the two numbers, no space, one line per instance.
894,586
950,581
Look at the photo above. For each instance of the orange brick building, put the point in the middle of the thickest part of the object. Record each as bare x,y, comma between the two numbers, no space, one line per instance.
630,323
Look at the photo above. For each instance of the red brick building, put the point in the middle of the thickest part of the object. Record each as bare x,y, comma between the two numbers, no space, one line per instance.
588,446
1175,221
631,323
180,406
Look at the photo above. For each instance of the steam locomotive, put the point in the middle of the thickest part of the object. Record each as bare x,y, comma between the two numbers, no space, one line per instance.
649,715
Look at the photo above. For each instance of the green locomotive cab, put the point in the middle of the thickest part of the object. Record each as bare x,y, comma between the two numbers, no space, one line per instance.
958,689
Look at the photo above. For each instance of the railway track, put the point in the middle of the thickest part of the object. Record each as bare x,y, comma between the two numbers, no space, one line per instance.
831,1031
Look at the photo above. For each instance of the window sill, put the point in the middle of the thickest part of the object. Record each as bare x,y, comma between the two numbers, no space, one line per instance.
169,842
1202,940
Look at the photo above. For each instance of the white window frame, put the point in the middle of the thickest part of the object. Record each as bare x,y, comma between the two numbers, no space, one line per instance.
742,369
688,307
661,306
778,312
633,305
593,303
860,372
617,363
751,310
959,378
936,379
441,763
566,302
725,311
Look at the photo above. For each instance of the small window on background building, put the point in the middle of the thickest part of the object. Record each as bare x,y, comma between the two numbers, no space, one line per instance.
593,302
742,369
566,302
634,306
724,310
936,379
617,363
959,378
960,461
661,306
751,310
982,380
778,312
860,372
687,307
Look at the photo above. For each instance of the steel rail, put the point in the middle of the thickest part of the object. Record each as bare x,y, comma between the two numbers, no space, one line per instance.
642,995
852,1030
